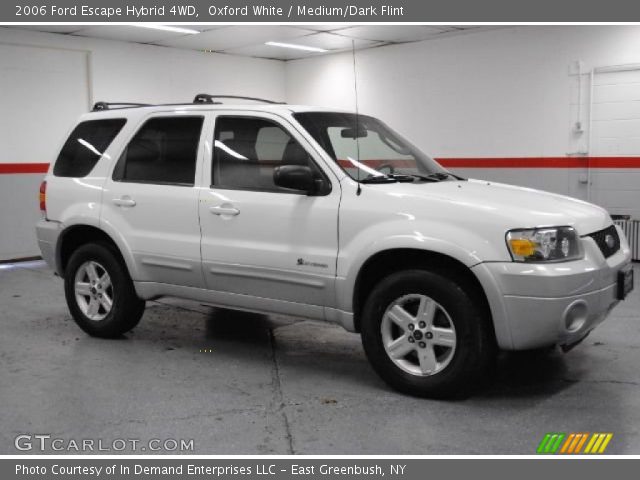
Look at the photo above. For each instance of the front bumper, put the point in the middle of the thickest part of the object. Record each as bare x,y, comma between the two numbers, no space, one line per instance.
538,305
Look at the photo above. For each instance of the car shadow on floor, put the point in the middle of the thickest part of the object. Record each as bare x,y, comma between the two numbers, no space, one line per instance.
318,350
232,325
527,373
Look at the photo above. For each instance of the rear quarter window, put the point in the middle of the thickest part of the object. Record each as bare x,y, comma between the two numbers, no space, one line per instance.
85,146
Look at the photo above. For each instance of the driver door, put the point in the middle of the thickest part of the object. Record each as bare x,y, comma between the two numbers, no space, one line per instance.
261,242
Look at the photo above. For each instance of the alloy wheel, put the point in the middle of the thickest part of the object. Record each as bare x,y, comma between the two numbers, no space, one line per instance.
418,335
93,290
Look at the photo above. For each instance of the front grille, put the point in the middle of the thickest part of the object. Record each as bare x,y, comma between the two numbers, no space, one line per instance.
601,237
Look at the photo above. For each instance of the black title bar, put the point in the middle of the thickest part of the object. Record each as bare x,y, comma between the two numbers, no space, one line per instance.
318,11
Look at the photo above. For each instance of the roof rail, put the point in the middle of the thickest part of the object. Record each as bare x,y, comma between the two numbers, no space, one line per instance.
98,106
206,98
199,99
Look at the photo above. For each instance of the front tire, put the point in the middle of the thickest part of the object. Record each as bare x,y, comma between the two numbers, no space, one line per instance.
425,335
100,293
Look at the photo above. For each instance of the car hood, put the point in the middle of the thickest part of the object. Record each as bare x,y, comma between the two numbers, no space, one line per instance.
484,203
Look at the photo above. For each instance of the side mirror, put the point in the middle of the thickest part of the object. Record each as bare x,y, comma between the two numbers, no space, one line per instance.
296,177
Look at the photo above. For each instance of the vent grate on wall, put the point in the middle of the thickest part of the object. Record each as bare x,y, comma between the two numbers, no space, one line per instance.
631,230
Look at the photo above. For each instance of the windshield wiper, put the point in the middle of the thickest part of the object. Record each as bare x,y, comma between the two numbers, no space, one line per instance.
408,178
379,179
426,178
441,176
401,177
388,178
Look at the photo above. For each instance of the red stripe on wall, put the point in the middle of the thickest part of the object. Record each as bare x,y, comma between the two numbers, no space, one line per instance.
9,168
516,162
466,162
542,162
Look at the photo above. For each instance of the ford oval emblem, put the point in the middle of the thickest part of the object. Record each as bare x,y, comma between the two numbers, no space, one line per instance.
610,241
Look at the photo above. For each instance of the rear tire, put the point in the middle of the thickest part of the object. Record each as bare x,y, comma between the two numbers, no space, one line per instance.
100,293
425,335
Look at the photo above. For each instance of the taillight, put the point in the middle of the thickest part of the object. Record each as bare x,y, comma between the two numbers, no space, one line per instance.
43,198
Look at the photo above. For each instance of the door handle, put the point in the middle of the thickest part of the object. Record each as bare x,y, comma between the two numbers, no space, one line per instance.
220,210
124,202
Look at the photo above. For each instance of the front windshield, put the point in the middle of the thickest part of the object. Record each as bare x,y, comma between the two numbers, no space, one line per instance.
367,149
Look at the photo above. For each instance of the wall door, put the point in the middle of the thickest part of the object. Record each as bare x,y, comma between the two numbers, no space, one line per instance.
615,183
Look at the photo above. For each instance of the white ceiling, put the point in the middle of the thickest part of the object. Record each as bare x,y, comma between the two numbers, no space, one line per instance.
249,40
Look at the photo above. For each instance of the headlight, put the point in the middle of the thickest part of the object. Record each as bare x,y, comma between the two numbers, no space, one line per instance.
552,244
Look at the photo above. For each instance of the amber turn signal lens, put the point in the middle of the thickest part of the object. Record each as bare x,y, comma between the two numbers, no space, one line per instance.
522,247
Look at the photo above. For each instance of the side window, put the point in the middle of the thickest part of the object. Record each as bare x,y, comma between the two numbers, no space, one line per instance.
163,151
247,150
85,146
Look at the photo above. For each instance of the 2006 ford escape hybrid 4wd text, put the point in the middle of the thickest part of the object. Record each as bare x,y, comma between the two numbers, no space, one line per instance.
322,215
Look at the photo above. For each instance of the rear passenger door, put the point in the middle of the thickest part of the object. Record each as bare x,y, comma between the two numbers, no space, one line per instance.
151,198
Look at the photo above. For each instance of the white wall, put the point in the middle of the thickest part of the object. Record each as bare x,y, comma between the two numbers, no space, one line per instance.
121,71
37,84
48,80
506,92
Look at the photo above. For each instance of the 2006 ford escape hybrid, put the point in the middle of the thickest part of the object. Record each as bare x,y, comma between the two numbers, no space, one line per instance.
328,216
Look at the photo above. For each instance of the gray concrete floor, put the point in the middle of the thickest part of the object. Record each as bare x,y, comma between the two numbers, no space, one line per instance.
274,386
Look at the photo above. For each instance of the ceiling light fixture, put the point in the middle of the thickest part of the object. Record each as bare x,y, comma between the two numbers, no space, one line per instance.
296,47
166,28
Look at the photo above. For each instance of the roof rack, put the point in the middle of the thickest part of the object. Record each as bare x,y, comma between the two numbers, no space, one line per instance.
201,98
206,98
98,106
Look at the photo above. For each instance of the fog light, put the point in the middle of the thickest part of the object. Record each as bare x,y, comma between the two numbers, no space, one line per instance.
576,315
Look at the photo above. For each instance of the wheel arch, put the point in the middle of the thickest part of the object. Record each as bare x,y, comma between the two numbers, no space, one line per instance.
77,235
387,262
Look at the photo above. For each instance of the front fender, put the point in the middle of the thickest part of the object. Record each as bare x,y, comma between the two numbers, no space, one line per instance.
448,239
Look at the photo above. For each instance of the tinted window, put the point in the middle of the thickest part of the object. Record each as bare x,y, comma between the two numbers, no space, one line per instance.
163,151
247,150
85,146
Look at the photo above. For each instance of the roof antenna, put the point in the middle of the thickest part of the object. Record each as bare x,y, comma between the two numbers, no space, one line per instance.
355,89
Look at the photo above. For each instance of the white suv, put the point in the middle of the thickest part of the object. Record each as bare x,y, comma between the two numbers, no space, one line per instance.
328,216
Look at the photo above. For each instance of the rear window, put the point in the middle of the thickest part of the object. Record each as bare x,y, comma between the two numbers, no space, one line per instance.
164,151
85,146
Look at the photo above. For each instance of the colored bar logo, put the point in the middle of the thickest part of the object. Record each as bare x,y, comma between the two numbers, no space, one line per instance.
574,443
